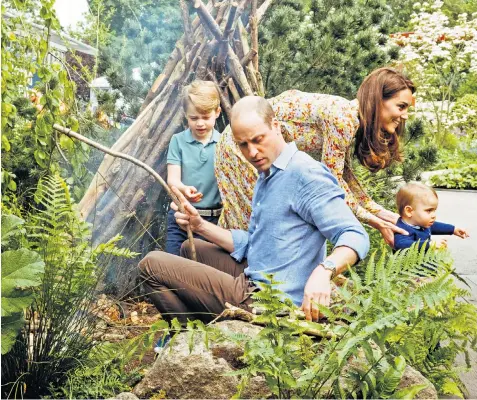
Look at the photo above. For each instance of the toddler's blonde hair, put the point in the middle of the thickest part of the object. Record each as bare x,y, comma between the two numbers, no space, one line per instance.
408,193
203,95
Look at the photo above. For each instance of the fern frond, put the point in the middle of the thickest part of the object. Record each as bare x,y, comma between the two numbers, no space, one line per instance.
370,269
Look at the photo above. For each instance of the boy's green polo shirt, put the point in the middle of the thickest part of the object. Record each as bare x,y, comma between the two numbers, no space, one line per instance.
197,165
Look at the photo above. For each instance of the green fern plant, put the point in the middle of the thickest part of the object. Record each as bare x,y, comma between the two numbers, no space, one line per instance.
60,325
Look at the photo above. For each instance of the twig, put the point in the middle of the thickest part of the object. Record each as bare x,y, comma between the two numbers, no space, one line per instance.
75,135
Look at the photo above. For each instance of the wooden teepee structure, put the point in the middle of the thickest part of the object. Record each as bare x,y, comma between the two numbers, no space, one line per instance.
220,44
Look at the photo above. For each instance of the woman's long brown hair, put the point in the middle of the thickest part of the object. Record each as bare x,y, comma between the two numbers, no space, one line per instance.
375,148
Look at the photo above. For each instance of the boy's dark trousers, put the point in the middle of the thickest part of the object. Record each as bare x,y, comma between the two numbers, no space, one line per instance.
176,236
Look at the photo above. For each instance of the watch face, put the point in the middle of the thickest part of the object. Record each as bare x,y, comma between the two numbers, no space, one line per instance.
329,264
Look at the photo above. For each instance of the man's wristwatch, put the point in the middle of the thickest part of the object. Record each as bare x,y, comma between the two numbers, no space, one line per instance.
330,266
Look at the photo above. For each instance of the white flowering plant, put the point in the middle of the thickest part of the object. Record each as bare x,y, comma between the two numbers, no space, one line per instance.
439,57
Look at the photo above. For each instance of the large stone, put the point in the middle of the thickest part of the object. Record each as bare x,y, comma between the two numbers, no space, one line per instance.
125,396
200,374
413,377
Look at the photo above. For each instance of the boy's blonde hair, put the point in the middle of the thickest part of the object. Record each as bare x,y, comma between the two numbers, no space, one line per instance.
203,95
409,192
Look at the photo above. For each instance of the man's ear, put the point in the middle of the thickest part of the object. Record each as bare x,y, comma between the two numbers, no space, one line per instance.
276,126
408,211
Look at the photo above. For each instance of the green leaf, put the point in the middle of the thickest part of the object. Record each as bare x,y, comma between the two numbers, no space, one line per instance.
5,143
12,185
20,269
409,392
10,328
10,227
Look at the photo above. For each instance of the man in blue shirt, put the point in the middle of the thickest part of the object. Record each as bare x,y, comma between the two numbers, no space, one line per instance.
297,205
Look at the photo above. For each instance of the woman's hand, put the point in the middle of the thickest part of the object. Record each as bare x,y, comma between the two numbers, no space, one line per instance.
387,229
389,216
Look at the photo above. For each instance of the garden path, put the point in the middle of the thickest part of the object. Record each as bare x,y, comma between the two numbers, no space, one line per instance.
459,208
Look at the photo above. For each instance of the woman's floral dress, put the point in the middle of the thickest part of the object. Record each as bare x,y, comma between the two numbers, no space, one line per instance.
321,125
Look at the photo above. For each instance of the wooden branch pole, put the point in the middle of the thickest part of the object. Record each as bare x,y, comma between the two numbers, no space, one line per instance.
89,142
232,312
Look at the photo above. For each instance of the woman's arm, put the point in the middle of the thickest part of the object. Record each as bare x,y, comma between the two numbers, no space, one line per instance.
341,123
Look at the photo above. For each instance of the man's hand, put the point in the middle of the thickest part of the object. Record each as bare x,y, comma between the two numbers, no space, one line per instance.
462,233
317,291
191,217
191,194
386,229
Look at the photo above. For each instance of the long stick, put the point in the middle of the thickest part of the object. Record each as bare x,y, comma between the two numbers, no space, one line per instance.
73,134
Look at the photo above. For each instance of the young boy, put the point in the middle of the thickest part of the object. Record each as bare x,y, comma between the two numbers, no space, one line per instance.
190,159
417,204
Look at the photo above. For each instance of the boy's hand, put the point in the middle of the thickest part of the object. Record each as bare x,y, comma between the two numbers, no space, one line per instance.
191,194
439,244
462,233
191,217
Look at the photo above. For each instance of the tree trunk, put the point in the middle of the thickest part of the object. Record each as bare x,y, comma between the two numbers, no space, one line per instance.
123,198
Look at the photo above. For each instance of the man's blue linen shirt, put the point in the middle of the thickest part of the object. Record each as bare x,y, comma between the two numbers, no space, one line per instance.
294,210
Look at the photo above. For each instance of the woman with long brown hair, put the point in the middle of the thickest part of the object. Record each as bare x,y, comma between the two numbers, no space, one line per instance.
332,129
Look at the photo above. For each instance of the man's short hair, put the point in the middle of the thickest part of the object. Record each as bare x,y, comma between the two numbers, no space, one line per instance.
409,192
256,104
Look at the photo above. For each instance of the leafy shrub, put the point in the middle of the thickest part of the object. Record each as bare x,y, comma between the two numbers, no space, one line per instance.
465,111
101,376
59,326
457,158
457,178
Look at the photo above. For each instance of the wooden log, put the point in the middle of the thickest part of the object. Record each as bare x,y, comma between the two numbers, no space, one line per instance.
224,101
233,89
254,32
232,312
207,20
230,22
188,41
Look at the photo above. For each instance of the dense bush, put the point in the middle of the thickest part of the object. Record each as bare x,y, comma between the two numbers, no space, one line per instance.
57,335
457,178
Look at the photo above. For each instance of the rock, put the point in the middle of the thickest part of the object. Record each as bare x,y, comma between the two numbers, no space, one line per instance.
200,374
413,377
124,396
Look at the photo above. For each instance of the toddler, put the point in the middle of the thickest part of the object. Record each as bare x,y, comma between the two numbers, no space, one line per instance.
417,205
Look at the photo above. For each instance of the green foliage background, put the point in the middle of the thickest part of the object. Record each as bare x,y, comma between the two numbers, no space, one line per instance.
323,46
